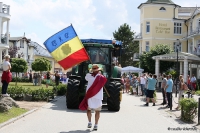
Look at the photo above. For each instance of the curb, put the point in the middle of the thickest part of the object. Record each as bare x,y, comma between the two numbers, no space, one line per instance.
17,118
27,113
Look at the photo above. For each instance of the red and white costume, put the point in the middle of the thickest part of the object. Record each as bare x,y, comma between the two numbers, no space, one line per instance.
94,92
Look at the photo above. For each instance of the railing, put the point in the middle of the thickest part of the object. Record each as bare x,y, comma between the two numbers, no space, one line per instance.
139,36
4,8
194,32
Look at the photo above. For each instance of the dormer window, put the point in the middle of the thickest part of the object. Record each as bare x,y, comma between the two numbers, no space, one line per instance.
162,9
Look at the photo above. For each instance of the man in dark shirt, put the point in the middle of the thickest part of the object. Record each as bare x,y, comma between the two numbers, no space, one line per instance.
57,78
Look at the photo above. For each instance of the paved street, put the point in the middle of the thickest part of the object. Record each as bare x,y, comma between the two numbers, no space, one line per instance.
132,118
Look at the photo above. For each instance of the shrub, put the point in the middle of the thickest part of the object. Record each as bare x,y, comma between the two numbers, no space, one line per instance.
188,109
18,79
42,94
20,93
16,92
60,89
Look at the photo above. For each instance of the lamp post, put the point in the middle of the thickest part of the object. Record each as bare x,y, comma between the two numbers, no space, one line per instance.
177,71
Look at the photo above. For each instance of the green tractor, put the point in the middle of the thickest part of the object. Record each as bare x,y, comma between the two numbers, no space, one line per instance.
100,53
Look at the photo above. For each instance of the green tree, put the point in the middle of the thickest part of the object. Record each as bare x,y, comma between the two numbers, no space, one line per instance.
148,64
126,36
41,64
18,65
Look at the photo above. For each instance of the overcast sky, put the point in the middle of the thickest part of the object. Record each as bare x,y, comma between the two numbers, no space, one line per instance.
40,19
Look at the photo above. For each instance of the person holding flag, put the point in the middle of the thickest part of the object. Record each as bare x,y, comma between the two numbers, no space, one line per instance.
94,95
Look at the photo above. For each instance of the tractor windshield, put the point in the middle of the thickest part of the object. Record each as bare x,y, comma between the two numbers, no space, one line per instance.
99,55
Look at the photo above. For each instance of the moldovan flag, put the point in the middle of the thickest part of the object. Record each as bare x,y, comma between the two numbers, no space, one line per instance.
66,48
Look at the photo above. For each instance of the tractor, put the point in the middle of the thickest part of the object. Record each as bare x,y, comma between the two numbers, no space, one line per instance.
100,53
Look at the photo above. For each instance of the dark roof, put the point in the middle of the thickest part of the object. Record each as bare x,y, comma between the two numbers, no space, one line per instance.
168,2
160,1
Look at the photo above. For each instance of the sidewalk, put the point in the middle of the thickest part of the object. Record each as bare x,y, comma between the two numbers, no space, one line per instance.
174,113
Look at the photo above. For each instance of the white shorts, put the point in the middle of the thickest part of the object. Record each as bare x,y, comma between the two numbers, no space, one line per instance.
134,89
94,104
97,109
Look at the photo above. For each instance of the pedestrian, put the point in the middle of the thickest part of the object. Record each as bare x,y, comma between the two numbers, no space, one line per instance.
30,77
163,84
168,89
142,84
48,77
94,95
151,88
193,82
181,90
127,84
188,82
57,78
39,77
134,84
159,81
6,76
123,83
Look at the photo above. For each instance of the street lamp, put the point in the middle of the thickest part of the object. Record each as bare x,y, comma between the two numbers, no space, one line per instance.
177,71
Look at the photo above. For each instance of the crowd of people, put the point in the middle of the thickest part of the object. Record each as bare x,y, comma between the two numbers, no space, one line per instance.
36,78
146,84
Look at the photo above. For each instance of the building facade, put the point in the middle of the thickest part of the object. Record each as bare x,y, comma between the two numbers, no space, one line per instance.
24,49
164,22
4,21
41,52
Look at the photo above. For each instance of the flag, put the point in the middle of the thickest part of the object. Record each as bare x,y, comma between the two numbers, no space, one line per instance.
66,48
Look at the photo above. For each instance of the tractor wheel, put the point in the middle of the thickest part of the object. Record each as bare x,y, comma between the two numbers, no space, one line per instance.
113,101
72,97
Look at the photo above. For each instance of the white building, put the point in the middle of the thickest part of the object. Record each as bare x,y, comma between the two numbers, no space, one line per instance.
4,21
25,49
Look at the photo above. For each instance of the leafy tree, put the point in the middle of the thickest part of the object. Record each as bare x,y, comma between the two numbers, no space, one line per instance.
13,51
126,36
41,64
18,65
148,64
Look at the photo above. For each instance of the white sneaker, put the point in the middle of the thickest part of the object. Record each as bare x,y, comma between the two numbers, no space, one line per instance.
89,125
6,95
95,127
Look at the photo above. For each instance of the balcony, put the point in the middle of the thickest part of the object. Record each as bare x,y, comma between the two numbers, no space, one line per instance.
136,57
194,32
138,37
4,8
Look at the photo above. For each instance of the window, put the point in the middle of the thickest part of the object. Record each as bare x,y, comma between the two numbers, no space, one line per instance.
179,47
14,44
198,46
198,23
177,28
147,46
21,43
190,27
198,26
162,9
28,57
147,27
191,48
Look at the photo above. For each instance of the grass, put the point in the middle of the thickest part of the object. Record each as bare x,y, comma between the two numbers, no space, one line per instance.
28,85
12,113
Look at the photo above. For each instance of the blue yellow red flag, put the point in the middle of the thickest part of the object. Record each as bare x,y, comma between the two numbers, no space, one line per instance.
66,48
